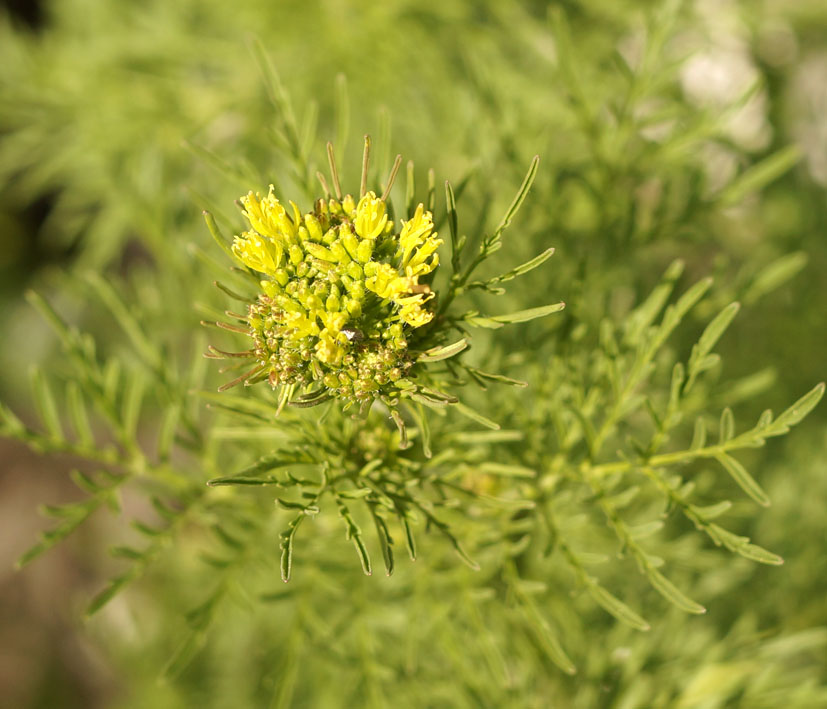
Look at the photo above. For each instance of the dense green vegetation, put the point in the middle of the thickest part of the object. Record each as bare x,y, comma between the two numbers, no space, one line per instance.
601,507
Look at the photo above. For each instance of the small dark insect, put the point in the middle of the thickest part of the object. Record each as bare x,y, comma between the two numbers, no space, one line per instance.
353,335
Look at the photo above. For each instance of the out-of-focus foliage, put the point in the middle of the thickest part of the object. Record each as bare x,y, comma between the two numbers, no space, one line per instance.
677,141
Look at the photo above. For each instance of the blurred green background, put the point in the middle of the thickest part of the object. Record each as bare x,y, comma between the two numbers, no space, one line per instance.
693,130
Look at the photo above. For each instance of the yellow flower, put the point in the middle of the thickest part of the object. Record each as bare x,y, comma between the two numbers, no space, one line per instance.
415,316
328,349
264,214
316,321
412,313
387,283
259,253
371,220
417,243
333,322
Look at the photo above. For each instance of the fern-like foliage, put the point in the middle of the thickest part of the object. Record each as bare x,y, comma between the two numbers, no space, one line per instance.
605,450
585,467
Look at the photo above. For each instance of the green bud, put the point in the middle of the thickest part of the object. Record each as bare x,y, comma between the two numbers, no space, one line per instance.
316,368
314,229
340,253
312,302
350,241
320,252
291,306
364,251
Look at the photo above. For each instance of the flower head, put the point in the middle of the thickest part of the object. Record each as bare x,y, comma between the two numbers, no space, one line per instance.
341,293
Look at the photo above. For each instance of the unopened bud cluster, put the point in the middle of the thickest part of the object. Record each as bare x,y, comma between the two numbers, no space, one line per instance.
341,293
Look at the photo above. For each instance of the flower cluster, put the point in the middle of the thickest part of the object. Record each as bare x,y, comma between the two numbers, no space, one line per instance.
341,292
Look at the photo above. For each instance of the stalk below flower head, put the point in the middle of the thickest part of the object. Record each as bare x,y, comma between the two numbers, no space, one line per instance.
341,293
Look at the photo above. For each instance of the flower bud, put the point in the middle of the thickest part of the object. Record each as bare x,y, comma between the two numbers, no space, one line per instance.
332,303
364,251
314,229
